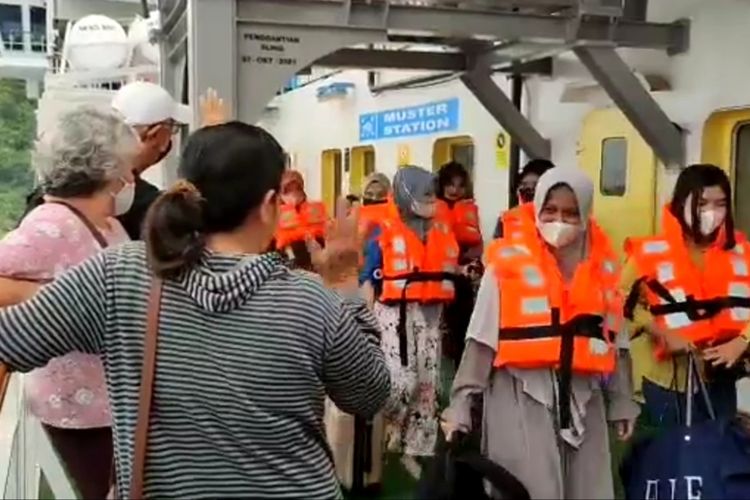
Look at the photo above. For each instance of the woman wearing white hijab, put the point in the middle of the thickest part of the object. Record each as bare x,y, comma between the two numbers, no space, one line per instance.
546,424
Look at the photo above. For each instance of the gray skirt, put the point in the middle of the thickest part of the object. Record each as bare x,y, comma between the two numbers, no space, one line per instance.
519,434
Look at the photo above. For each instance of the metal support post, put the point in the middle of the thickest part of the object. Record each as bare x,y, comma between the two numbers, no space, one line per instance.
622,86
514,172
479,81
212,51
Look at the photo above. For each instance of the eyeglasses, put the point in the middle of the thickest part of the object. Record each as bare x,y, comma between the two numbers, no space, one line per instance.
173,126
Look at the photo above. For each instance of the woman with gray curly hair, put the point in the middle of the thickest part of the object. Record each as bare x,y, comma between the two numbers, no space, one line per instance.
84,170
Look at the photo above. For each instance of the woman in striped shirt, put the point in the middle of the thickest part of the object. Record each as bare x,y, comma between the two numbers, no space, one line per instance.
247,349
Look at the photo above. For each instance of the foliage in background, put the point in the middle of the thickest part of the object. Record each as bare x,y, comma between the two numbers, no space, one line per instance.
17,132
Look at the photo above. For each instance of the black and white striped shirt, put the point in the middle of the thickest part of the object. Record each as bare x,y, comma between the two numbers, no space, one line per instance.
247,352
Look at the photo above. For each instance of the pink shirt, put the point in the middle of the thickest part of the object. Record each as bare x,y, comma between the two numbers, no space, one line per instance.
70,392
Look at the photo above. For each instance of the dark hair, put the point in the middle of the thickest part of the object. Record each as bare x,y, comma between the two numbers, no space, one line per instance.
536,167
352,198
447,173
228,170
692,181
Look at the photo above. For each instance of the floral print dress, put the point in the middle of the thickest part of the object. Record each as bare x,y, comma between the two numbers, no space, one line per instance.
411,413
70,392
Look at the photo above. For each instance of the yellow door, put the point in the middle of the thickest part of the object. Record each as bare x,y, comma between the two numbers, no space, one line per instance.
330,181
363,164
726,143
460,149
623,170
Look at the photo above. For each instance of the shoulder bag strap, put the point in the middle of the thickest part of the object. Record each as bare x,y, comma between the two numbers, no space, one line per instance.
4,382
146,391
86,222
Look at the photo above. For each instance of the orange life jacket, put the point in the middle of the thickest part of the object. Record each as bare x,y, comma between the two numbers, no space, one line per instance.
700,306
370,216
295,223
463,219
414,271
539,313
517,220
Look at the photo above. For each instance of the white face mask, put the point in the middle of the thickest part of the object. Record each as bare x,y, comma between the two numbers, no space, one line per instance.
424,210
711,219
124,198
559,234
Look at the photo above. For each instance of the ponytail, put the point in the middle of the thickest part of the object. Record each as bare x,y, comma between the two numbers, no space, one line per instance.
174,225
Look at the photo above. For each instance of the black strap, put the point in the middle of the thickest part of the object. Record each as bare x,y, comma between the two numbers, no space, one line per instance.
696,310
415,276
583,325
632,299
86,222
362,452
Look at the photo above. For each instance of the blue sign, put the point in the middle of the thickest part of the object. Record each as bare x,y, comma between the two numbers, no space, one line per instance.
430,118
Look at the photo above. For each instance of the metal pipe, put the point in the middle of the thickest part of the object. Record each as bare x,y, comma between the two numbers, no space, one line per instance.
419,80
144,8
514,171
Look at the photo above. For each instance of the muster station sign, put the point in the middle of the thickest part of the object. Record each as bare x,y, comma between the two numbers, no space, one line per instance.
426,119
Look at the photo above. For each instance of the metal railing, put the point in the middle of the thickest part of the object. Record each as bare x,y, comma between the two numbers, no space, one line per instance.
24,41
28,463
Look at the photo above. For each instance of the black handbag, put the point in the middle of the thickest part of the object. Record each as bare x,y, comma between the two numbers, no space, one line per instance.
458,470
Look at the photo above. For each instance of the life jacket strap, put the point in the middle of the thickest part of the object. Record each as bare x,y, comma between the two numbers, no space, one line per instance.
696,310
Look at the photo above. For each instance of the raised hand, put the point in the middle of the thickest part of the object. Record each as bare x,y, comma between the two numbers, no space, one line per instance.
338,261
212,108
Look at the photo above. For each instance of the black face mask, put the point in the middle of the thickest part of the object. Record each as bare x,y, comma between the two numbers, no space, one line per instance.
526,194
370,201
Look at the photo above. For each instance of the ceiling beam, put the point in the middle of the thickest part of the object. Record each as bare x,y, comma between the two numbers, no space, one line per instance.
428,61
394,18
394,59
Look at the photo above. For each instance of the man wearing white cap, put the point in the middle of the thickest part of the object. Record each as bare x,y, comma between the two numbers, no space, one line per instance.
156,118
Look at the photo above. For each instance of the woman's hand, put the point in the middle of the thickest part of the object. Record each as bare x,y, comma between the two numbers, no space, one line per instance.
338,262
625,429
727,353
212,108
449,429
672,340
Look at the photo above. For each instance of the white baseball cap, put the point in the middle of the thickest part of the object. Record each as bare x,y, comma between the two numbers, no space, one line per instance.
146,103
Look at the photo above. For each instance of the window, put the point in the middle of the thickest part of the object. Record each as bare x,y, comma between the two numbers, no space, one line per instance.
38,29
613,177
369,158
464,154
742,177
11,27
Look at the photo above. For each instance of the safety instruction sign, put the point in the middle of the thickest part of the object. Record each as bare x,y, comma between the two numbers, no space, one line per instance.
502,150
404,155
